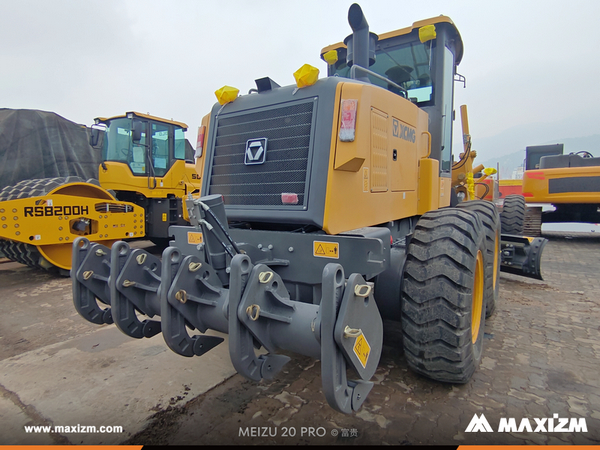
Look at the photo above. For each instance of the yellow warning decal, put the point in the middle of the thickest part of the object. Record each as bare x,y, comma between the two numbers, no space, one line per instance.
362,349
195,238
164,217
326,249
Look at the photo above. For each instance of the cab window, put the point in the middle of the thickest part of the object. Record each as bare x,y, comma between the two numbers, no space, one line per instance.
179,151
407,65
160,148
118,146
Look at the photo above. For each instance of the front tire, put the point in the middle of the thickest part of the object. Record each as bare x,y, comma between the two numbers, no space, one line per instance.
490,220
443,308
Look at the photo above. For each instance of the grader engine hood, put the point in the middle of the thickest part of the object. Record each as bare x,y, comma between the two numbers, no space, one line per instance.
294,156
267,154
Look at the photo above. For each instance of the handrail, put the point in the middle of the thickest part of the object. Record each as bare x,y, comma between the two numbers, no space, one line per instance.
354,68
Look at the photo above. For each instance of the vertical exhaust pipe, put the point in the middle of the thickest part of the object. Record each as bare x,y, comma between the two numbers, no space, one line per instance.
361,43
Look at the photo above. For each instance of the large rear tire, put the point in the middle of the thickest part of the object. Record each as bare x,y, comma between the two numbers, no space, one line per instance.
443,310
22,253
490,220
513,214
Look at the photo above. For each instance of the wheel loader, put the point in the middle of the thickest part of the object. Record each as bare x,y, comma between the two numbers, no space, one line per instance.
326,208
142,181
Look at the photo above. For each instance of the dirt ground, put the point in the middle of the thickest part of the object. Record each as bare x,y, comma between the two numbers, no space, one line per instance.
540,365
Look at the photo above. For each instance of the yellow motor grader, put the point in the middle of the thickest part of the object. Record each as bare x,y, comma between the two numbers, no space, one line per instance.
326,208
142,180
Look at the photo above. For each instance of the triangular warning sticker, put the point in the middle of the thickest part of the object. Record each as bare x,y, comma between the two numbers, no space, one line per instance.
323,249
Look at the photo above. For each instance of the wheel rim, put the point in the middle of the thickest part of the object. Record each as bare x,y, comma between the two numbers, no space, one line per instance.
477,306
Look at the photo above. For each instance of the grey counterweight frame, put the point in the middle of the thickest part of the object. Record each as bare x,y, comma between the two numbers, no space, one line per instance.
265,289
365,251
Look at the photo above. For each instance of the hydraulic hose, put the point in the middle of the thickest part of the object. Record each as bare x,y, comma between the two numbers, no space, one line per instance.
223,229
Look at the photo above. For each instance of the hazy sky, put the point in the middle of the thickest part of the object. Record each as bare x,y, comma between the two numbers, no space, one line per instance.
526,62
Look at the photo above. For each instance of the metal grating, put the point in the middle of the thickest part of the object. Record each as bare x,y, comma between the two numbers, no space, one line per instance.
287,129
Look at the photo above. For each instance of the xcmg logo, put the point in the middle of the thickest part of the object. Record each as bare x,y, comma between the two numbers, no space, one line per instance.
403,131
256,150
544,425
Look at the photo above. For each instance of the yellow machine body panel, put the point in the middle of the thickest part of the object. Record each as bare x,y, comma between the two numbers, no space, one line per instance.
180,180
562,185
384,174
504,183
398,166
53,221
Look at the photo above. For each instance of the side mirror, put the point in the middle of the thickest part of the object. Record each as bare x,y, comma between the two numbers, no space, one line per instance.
137,131
97,133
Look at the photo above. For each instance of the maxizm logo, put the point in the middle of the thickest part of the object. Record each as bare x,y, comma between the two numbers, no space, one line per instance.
544,425
403,131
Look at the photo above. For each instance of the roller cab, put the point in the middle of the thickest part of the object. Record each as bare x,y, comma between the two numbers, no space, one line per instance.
144,163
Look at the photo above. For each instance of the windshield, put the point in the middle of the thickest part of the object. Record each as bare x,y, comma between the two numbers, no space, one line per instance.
158,148
407,65
119,147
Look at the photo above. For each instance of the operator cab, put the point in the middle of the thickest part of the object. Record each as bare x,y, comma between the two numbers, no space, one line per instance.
420,62
148,145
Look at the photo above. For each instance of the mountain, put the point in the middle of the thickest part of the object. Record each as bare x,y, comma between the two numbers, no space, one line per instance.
585,123
506,164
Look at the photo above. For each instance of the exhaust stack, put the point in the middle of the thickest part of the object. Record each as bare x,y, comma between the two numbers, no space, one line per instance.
361,43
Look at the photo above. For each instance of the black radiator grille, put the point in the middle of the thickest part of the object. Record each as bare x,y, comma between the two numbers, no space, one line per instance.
287,130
